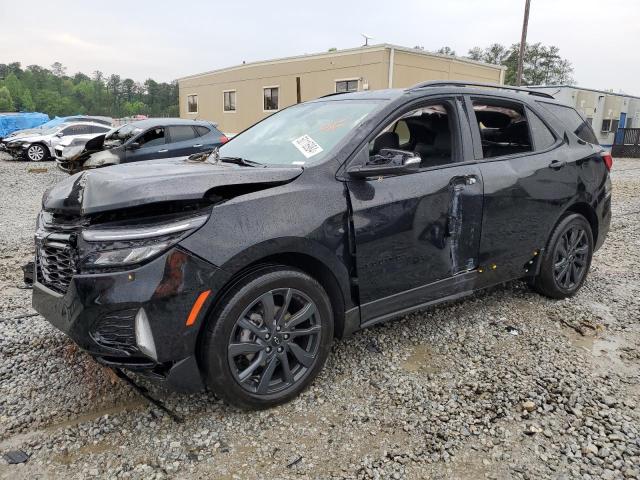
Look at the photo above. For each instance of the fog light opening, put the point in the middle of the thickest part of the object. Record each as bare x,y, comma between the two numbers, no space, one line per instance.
144,337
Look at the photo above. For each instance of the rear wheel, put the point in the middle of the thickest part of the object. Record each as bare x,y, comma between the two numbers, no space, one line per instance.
567,260
268,339
37,153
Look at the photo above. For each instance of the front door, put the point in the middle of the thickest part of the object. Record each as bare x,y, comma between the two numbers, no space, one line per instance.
414,234
151,145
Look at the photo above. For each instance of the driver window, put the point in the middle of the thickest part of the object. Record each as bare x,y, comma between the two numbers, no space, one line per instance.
425,132
152,138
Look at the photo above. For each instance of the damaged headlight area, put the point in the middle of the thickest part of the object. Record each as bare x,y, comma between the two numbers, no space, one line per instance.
126,245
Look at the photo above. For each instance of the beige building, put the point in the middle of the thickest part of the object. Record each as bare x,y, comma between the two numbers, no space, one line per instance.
236,97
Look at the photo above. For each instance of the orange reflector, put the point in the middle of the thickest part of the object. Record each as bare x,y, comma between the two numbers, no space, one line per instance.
195,310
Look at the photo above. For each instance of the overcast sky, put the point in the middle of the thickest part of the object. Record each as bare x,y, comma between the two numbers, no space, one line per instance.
167,40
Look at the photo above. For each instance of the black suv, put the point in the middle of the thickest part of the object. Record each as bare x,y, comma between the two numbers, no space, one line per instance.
235,270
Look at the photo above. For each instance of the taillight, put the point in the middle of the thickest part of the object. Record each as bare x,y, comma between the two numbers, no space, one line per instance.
224,139
608,160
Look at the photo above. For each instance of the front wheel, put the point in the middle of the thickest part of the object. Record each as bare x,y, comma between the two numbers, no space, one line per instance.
567,260
37,153
268,339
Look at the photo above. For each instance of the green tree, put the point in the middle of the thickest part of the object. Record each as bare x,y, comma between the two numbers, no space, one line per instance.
446,51
53,92
6,102
542,65
26,101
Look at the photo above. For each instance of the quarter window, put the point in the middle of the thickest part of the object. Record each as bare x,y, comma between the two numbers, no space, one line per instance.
346,86
503,126
229,99
270,98
192,103
572,121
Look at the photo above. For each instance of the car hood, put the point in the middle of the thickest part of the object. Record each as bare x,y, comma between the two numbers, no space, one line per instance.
142,183
26,139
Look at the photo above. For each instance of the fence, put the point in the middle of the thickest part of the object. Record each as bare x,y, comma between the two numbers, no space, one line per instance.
626,143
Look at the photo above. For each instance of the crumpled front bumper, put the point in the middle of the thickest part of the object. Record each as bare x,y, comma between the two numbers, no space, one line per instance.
98,313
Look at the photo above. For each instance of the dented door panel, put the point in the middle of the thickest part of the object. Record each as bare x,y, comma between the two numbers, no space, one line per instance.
414,230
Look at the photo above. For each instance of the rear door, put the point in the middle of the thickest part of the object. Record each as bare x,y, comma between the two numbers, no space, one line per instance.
183,140
417,236
528,180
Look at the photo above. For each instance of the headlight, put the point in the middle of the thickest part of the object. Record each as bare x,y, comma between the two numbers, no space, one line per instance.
129,245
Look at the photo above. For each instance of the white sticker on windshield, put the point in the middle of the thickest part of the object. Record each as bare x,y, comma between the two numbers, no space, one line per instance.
307,146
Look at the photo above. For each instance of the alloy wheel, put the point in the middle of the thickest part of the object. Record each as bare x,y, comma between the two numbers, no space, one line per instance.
275,342
571,258
35,153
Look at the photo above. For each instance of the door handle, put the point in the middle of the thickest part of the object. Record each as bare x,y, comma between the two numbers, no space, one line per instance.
557,165
465,179
163,151
197,145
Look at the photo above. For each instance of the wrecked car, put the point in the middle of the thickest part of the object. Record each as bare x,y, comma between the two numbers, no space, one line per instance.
236,273
143,140
39,146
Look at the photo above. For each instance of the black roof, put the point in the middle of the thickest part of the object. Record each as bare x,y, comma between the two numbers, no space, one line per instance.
445,87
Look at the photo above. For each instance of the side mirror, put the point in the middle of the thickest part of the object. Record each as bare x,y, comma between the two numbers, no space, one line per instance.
388,162
133,146
59,134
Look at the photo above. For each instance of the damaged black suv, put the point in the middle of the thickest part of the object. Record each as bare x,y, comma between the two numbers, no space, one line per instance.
236,270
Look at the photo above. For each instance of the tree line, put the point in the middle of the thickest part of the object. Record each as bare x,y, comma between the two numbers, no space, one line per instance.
542,64
52,91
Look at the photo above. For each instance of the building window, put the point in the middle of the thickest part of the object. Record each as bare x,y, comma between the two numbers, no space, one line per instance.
614,125
192,103
346,86
270,98
229,101
606,126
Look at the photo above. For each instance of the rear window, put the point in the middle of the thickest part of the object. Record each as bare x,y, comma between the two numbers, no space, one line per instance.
573,121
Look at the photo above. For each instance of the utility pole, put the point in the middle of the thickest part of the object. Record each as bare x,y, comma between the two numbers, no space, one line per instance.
523,42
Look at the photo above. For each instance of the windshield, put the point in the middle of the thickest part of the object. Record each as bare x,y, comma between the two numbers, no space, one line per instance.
301,134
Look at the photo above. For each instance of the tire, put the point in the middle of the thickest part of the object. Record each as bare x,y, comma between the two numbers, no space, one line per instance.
37,153
567,259
244,354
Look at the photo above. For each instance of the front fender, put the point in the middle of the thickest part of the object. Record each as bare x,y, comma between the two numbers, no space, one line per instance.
101,159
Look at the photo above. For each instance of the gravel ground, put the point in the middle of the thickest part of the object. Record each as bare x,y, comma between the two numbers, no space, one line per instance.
506,384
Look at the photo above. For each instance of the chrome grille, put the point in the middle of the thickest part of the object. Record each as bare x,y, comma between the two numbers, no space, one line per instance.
55,262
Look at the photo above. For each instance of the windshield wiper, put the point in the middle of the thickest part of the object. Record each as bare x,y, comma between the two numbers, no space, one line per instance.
241,161
214,157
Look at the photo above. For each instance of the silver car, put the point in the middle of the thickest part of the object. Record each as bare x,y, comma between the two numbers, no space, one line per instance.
41,145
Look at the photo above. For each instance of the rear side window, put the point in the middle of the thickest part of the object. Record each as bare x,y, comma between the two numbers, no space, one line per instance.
543,138
573,121
180,133
503,126
201,130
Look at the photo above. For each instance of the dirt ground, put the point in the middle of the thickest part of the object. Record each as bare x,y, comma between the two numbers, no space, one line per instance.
505,384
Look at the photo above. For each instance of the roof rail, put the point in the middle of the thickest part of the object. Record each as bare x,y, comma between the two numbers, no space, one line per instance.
456,83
